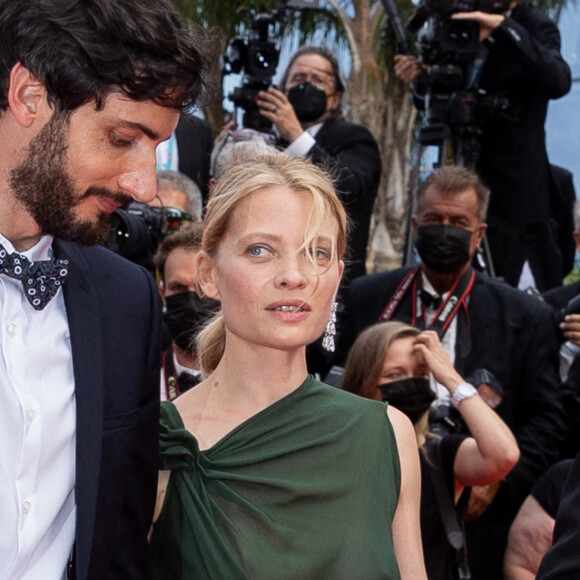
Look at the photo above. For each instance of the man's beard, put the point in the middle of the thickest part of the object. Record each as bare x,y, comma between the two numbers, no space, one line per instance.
47,191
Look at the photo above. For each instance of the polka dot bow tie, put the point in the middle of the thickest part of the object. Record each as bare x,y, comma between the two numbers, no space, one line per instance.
40,280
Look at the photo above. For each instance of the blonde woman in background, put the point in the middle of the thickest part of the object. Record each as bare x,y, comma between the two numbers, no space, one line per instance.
391,361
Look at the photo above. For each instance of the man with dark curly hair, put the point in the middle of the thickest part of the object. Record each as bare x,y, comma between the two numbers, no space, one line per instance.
88,89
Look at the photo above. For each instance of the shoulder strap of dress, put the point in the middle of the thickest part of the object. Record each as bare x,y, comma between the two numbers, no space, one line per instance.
170,416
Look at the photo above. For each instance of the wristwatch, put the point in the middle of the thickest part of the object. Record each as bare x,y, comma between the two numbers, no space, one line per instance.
462,392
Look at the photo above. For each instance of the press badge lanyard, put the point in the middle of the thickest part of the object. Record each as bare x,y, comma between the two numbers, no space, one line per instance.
442,318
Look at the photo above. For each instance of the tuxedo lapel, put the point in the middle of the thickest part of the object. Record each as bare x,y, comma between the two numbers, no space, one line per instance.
82,310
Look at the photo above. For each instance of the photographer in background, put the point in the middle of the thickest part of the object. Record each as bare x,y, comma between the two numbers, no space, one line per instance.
521,63
484,324
175,189
184,312
138,229
306,112
392,362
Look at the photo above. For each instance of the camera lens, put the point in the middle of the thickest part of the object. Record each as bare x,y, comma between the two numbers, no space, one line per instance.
128,233
460,34
262,60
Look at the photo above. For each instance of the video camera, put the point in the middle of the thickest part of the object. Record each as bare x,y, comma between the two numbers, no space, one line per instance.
257,55
454,105
138,229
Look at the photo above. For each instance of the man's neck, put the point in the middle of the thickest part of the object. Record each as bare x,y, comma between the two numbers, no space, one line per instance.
442,283
17,225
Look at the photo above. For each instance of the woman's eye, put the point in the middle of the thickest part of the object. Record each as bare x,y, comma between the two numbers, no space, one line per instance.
422,373
257,251
321,255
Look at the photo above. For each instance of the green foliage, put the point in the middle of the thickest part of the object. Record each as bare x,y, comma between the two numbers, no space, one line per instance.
232,17
572,277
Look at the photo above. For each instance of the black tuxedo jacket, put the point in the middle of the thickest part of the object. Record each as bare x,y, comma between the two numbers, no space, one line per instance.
113,315
508,333
351,154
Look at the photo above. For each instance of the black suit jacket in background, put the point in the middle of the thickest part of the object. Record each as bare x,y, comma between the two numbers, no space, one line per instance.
113,313
525,66
194,146
352,155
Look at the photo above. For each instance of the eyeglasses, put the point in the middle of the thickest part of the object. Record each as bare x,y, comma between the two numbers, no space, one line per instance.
315,79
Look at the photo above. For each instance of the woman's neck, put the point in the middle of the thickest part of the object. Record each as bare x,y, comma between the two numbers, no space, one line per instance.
255,377
246,381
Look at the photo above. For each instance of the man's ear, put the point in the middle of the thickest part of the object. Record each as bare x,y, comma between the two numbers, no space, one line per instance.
335,101
414,224
480,233
207,278
161,290
26,96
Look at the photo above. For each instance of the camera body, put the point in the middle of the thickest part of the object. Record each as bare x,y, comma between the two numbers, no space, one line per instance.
257,56
455,107
138,229
443,40
447,420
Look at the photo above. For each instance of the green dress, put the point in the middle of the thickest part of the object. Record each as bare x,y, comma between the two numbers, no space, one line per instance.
305,489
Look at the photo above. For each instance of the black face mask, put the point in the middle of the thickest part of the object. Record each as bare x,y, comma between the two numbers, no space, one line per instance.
309,102
443,249
412,396
185,314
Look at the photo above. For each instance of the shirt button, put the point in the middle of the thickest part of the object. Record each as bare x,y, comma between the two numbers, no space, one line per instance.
12,329
30,415
26,507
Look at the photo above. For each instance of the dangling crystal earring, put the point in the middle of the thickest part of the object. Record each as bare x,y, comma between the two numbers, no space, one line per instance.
328,338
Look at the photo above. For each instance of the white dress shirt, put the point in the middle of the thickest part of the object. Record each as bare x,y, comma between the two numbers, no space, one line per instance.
37,432
178,368
302,145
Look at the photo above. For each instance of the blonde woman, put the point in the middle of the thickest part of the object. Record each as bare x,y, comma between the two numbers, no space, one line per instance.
268,473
